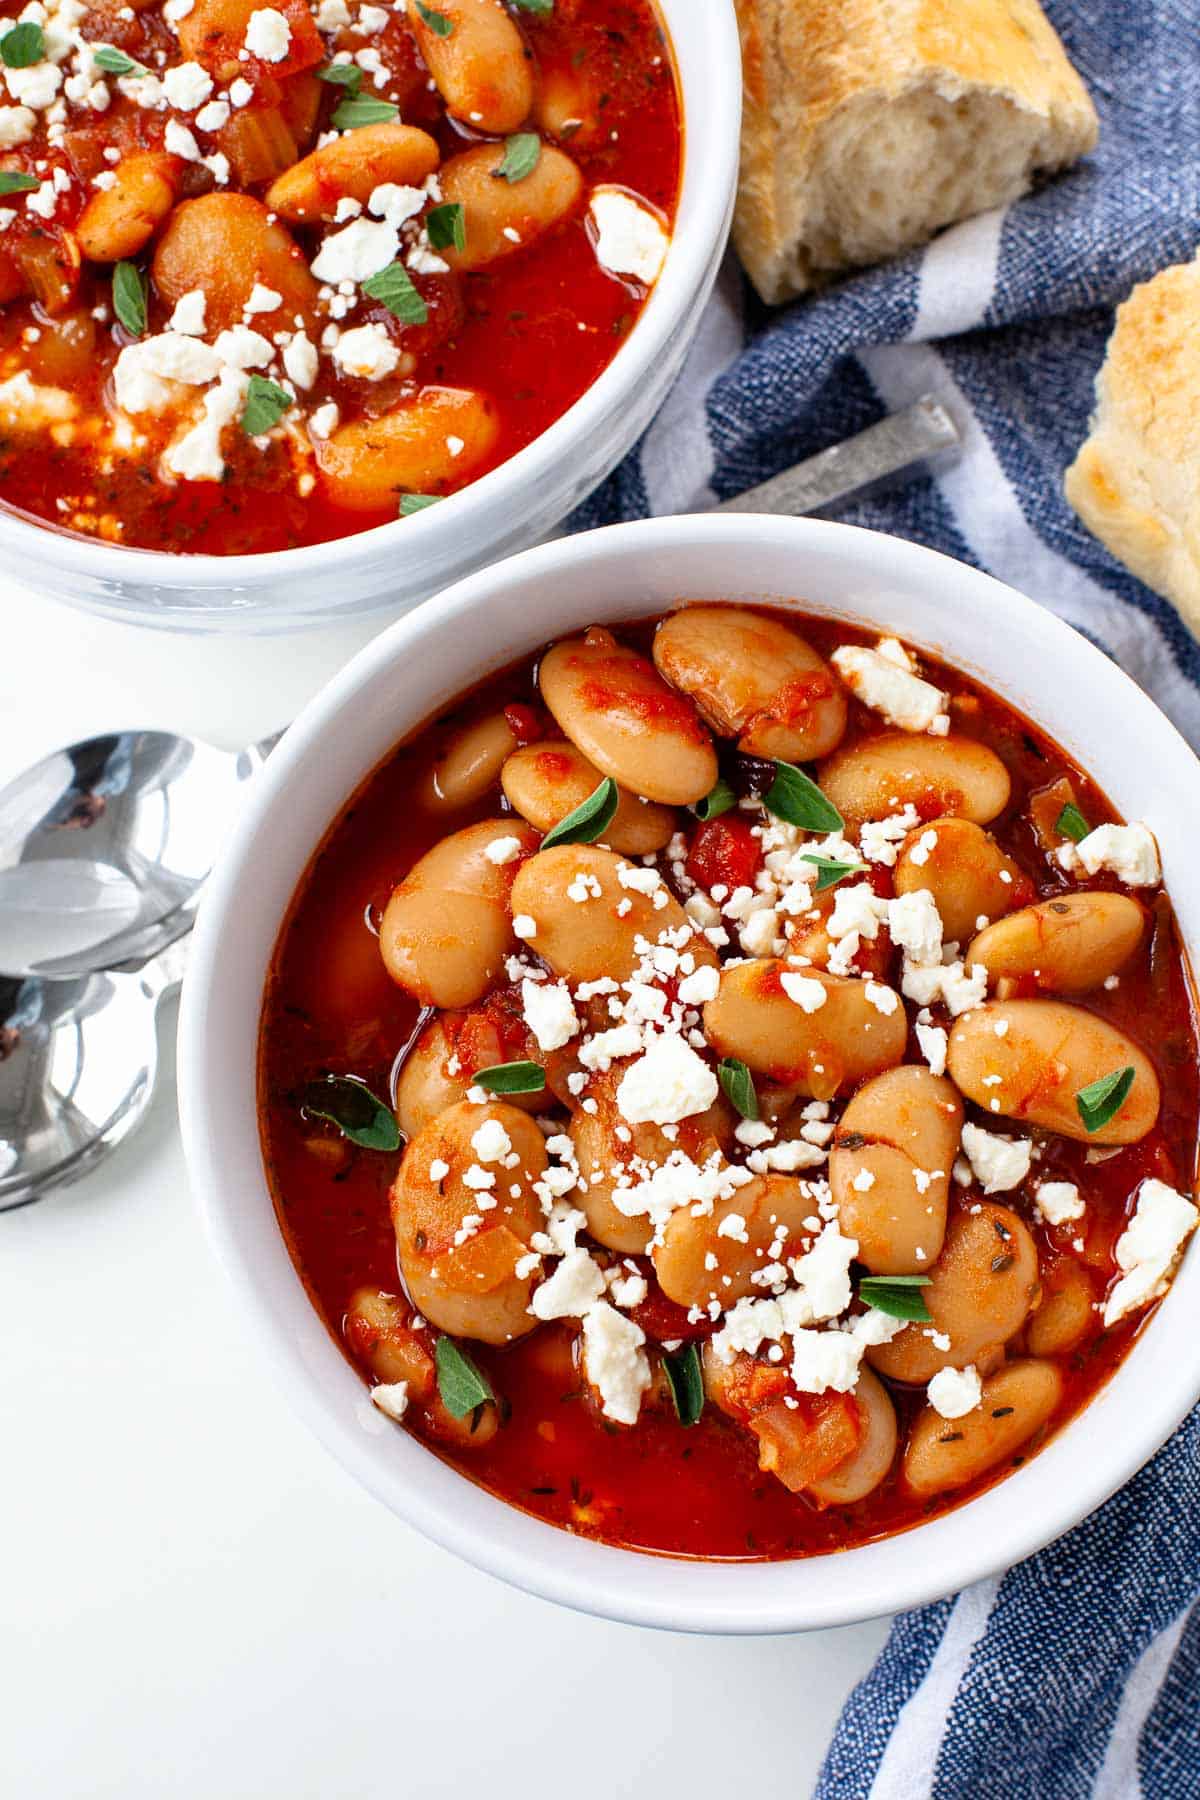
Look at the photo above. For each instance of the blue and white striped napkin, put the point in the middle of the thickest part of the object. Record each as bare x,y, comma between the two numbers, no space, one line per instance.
1077,1673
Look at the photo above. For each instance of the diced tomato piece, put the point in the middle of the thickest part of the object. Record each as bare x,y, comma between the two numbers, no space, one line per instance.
663,1321
725,851
523,722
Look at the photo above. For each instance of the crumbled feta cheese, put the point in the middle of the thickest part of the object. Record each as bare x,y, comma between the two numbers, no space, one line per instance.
955,1392
368,352
669,1082
614,1362
196,456
1059,1202
187,85
503,850
699,988
242,348
213,116
629,238
807,994
268,35
16,126
491,1143
188,316
524,926
145,370
300,360
395,203
901,697
549,1013
1146,1250
999,1163
357,252
1129,851
323,421
916,926
574,1286
933,1041
391,1397
240,92
880,839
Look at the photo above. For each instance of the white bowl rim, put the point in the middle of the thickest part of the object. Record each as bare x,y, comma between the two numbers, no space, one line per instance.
908,1569
710,157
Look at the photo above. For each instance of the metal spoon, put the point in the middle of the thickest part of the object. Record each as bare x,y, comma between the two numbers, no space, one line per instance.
78,1061
104,848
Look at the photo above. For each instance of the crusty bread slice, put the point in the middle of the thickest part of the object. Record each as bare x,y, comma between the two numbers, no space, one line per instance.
871,124
1136,481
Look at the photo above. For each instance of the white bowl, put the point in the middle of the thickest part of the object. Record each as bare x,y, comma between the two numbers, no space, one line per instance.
1026,655
400,564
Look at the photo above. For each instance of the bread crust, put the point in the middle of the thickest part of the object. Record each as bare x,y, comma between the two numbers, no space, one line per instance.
1136,480
816,69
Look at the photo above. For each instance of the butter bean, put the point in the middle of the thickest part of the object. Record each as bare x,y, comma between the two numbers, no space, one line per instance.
756,1213
503,217
468,765
890,1168
426,1087
469,1289
482,69
878,776
614,706
1067,945
965,870
980,1292
370,463
947,1453
547,780
1064,1313
594,936
352,167
1046,1052
446,929
755,679
818,1053
863,1470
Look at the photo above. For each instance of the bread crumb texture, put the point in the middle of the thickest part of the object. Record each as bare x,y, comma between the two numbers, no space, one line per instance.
869,125
1136,481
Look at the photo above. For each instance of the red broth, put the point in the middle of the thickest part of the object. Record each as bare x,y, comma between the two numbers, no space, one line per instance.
530,333
331,1008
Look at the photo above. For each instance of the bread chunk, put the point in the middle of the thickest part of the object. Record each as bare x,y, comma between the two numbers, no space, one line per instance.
869,125
1136,481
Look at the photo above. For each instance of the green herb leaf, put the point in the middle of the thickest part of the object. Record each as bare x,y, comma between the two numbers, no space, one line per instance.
687,1383
899,1296
799,801
1102,1100
345,75
718,800
129,297
511,1078
353,113
589,821
437,22
461,1382
23,46
394,288
12,181
266,403
352,1107
522,154
829,871
543,8
447,226
1071,823
738,1083
115,62
415,503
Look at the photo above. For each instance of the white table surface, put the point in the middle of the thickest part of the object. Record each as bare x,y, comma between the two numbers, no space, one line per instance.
196,1601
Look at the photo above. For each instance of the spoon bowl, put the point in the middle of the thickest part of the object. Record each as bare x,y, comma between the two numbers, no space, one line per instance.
78,1062
104,848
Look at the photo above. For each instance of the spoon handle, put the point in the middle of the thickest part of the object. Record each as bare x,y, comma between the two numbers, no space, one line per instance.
165,971
902,446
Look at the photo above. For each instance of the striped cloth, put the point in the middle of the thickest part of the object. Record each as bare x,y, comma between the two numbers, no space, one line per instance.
1077,1673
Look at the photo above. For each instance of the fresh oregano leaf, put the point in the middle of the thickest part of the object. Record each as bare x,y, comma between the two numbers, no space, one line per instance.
511,1078
522,154
589,820
394,288
1072,824
353,113
415,503
738,1084
899,1296
266,403
796,799
129,297
718,800
447,226
23,46
354,1109
1102,1100
830,871
686,1377
461,1382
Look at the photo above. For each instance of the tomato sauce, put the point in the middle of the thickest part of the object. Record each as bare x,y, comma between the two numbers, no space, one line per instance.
531,332
695,1492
